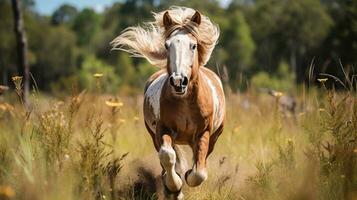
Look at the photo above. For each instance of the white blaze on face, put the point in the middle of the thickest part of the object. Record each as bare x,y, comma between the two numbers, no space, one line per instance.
181,48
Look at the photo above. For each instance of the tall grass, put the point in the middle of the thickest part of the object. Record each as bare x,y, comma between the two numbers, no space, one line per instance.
94,146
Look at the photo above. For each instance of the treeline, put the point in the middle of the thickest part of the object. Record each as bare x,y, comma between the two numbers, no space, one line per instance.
270,43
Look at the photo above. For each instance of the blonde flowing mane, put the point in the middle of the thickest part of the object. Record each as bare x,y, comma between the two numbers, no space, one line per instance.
148,40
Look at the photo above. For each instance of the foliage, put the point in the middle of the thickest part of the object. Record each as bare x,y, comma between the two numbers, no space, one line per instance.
281,81
256,36
86,25
240,41
64,14
92,66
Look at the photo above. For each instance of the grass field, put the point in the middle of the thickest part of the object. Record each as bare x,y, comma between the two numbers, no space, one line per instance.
94,146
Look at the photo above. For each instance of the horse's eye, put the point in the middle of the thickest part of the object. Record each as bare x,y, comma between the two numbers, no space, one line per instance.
193,46
166,46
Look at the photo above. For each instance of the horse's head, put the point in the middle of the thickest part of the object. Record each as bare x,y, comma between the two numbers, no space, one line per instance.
182,53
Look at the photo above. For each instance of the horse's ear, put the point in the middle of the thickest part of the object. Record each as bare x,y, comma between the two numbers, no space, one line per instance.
167,20
196,18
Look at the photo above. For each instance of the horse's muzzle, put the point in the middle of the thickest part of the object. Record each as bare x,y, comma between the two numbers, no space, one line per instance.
178,83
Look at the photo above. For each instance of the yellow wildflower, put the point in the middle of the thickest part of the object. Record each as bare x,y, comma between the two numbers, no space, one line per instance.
6,107
6,191
114,104
17,78
322,80
236,129
97,75
278,94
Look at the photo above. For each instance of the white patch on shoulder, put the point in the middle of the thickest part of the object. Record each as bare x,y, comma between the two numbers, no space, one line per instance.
153,94
217,105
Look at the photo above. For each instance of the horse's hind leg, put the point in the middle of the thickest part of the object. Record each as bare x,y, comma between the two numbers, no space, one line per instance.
171,179
198,173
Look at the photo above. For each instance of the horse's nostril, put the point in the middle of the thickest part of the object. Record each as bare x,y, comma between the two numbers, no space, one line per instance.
172,82
185,81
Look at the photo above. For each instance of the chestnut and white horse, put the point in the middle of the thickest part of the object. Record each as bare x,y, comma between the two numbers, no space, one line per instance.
184,102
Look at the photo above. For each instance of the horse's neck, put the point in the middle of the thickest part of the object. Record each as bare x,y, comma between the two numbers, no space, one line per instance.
196,87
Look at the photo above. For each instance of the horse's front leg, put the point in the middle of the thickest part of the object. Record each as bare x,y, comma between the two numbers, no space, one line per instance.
167,155
198,173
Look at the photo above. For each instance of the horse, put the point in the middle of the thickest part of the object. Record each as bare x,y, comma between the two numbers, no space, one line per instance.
184,102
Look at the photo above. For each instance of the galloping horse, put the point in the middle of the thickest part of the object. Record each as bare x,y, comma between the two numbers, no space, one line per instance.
184,102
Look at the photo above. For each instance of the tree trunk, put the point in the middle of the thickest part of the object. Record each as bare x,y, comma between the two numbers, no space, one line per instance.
23,65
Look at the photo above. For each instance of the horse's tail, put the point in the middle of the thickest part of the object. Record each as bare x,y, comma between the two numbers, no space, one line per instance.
181,163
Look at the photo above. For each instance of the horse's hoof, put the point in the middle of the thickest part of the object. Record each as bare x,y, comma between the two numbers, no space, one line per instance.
173,195
195,178
173,183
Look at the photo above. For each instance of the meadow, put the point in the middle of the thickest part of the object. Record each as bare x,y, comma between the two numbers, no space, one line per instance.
92,145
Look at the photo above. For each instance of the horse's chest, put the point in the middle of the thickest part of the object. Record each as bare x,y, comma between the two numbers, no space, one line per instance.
186,119
185,122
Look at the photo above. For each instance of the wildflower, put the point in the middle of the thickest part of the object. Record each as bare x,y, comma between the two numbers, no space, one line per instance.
18,84
6,107
57,104
17,78
236,129
321,109
97,75
66,157
114,104
6,191
278,94
322,80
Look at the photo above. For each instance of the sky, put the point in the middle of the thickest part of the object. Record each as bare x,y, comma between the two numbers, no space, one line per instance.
46,7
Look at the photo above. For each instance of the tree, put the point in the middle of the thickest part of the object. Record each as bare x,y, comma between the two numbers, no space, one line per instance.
23,65
341,43
64,14
240,45
90,66
286,30
86,25
54,53
8,43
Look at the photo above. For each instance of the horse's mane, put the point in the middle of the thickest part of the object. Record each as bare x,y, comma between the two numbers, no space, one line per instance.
147,41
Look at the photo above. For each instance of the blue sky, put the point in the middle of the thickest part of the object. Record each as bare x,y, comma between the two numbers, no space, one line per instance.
48,6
